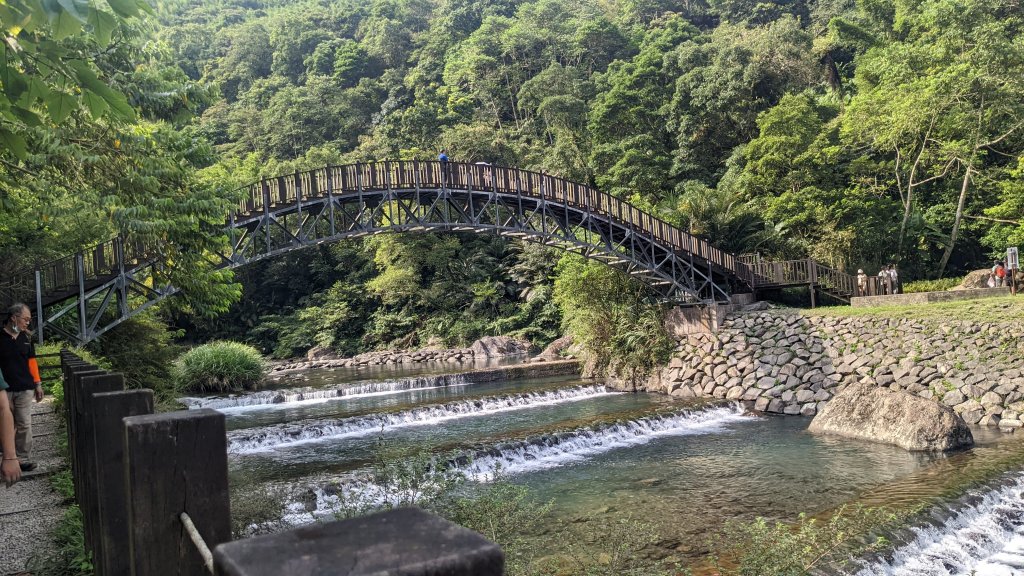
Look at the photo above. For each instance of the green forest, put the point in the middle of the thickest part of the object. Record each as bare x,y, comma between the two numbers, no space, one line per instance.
856,133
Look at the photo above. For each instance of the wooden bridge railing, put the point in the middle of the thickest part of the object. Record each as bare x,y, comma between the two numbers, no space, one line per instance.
67,276
353,179
153,490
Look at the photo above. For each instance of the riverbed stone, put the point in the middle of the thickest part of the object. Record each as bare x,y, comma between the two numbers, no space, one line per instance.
683,392
991,399
953,398
1007,424
881,415
989,420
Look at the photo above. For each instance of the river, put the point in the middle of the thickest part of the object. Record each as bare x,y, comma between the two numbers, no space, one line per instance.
601,455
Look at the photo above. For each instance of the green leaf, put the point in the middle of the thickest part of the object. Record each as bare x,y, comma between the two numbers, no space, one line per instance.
75,9
64,25
124,8
16,144
118,103
26,115
13,81
37,90
60,106
103,26
96,104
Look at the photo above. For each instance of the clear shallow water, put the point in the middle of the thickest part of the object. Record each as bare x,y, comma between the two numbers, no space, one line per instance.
600,457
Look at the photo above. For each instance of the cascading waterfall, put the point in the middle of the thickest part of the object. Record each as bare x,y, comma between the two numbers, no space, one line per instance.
309,395
518,457
247,441
577,445
984,537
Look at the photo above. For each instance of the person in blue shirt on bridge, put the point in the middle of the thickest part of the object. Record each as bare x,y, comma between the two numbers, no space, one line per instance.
443,159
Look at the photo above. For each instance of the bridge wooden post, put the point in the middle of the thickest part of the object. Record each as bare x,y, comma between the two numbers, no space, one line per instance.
40,315
812,276
122,286
359,191
266,212
80,273
298,204
330,198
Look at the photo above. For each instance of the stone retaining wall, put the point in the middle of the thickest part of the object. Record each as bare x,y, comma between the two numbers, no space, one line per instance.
781,361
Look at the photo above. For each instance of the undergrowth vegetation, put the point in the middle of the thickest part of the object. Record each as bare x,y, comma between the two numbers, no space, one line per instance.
939,285
219,367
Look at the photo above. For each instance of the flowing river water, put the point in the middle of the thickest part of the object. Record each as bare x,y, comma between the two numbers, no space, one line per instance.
601,455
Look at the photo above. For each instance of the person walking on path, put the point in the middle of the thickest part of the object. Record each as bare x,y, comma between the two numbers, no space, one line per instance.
10,469
20,370
862,282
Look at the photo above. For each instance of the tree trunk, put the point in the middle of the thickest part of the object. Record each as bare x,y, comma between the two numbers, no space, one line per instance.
956,221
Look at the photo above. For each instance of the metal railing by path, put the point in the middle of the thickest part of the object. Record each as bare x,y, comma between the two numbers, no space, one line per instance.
84,295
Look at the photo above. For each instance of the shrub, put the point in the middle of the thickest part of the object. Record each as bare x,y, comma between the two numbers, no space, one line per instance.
219,367
931,285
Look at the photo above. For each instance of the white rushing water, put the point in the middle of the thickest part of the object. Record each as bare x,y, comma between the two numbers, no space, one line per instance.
984,538
520,457
579,445
260,439
265,399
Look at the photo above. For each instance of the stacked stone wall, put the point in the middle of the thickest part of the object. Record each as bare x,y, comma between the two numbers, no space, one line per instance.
785,362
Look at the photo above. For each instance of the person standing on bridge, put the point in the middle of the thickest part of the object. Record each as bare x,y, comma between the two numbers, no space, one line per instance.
10,468
20,370
443,159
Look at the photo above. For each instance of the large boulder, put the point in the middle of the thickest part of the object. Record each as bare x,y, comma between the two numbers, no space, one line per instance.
975,279
871,412
320,353
554,350
496,346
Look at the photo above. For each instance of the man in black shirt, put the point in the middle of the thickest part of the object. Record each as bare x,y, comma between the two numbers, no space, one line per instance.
20,370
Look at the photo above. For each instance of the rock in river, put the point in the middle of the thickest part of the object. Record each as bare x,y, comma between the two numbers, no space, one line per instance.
879,414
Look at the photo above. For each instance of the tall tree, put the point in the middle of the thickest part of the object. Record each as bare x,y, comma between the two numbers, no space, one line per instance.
942,100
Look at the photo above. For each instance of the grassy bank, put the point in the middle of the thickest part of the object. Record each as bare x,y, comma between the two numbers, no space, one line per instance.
1006,309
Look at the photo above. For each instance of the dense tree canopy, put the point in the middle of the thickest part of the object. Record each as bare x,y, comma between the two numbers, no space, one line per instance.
856,132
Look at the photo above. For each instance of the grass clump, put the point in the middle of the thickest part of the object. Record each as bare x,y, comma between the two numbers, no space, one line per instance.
997,309
219,367
764,548
940,285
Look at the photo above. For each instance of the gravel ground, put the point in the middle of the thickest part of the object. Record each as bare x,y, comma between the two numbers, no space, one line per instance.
30,510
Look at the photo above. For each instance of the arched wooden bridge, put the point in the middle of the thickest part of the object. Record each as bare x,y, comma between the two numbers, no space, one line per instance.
82,296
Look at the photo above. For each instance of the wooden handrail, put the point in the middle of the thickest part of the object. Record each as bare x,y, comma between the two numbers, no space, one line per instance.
413,174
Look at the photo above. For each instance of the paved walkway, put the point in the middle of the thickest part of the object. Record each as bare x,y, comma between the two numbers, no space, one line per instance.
30,510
